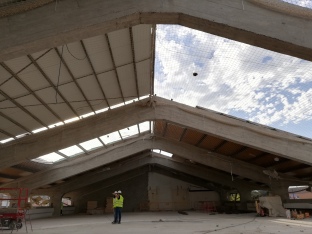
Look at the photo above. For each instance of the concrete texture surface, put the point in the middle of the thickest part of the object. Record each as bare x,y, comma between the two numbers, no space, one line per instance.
169,222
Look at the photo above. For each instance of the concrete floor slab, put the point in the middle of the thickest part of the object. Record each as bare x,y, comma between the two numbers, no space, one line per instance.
168,222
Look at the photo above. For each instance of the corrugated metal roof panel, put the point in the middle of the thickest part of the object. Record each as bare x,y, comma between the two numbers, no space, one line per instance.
17,64
99,53
143,76
8,126
127,81
110,86
32,78
92,90
48,95
75,98
142,40
24,119
121,47
4,75
50,64
13,88
78,65
28,100
6,104
43,113
62,110
71,92
40,53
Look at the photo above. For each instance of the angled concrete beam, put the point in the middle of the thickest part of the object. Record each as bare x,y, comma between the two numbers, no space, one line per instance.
122,151
85,163
94,177
73,133
193,170
211,159
256,136
75,20
232,129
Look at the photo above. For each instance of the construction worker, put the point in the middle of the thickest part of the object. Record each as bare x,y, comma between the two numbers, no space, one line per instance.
117,204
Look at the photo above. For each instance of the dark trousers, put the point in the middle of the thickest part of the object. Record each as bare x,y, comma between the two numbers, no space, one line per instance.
117,214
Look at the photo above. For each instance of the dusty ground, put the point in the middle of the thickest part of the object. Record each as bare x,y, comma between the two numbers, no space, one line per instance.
168,222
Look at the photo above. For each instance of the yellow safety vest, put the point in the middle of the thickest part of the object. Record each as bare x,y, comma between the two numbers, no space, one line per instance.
114,202
118,202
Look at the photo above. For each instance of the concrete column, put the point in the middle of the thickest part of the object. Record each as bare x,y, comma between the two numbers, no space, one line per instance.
245,196
56,200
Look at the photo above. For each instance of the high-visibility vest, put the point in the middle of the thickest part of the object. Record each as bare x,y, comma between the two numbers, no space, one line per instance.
114,202
118,202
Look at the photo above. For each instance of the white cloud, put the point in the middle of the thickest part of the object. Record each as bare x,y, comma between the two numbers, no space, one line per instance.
303,3
266,87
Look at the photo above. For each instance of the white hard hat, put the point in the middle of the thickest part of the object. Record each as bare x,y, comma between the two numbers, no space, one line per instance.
119,191
115,192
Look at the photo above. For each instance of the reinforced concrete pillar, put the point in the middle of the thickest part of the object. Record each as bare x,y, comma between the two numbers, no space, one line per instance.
56,203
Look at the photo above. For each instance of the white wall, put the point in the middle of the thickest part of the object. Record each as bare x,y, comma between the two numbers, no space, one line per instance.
166,193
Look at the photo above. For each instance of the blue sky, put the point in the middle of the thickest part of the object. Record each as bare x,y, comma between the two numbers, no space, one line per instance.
234,78
303,3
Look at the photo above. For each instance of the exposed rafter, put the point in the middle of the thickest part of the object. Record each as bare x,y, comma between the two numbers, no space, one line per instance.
134,63
201,139
94,73
7,133
23,109
52,85
115,68
219,146
16,123
73,78
30,91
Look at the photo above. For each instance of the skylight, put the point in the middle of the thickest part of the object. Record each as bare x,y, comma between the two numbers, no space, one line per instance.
91,144
39,130
95,143
86,115
128,132
71,151
110,138
48,158
145,126
117,105
6,140
56,124
162,152
101,110
71,120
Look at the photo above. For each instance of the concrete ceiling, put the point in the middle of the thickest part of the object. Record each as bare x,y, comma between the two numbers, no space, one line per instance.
84,67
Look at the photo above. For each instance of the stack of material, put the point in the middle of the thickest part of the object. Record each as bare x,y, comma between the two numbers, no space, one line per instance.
274,205
109,205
